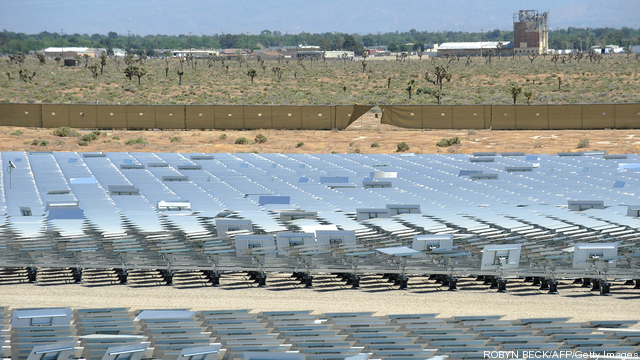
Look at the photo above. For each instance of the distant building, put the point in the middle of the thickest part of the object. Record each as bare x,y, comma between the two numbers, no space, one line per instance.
338,54
608,49
198,54
635,49
69,52
530,32
469,48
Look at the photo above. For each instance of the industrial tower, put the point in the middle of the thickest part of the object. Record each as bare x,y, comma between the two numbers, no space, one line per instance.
530,32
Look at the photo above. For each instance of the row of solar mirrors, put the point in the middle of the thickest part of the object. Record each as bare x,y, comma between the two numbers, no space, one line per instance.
183,334
565,216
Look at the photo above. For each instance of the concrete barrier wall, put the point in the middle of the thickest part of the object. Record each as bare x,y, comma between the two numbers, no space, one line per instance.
317,117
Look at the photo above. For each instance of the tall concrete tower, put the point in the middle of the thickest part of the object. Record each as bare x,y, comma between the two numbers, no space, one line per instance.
530,32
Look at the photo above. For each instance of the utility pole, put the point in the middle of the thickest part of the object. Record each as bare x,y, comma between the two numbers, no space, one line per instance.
129,40
62,47
481,35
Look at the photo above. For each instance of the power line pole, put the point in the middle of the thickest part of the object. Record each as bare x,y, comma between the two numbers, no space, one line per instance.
62,47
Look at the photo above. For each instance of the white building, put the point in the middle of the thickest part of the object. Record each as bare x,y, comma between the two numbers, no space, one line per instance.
469,48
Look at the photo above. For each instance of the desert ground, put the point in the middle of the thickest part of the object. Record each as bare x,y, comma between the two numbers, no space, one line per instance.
330,295
358,137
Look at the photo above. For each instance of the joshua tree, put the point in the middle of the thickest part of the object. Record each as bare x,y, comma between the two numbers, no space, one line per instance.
528,94
388,83
532,57
57,59
180,73
579,57
468,61
515,91
86,60
277,72
41,58
128,59
252,73
130,71
410,87
94,70
140,72
435,92
24,75
103,62
627,49
364,65
559,82
441,74
166,72
555,59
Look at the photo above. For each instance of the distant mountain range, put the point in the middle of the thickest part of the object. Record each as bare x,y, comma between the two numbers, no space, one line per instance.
199,17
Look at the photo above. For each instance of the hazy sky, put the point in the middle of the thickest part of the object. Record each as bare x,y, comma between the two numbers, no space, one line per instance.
199,17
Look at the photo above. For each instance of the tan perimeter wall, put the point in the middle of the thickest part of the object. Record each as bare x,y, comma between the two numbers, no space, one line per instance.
319,117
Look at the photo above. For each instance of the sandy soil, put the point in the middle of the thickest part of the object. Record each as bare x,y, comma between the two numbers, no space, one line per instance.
330,295
360,135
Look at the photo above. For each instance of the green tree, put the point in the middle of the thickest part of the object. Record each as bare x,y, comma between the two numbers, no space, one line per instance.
393,47
350,44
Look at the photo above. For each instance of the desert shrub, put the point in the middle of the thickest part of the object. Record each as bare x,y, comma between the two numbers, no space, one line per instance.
116,137
175,139
35,142
375,144
96,132
86,137
60,142
403,146
241,141
448,142
300,144
64,131
137,141
83,143
261,139
351,144
17,133
44,143
223,137
537,145
357,150
334,152
583,143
